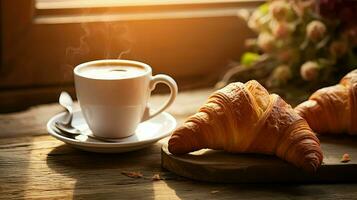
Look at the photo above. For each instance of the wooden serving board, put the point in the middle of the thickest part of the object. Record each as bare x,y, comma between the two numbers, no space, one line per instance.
219,166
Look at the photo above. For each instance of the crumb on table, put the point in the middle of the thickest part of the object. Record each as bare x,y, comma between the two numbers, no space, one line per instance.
345,158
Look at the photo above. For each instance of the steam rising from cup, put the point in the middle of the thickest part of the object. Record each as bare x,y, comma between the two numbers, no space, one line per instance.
114,36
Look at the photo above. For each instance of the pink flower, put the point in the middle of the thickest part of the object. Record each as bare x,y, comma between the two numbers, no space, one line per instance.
282,30
315,30
309,71
287,55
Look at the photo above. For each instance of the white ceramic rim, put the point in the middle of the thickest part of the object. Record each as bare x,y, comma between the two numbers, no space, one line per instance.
51,122
147,68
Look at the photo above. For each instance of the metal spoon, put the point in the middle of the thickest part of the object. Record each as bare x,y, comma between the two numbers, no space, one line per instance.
66,101
66,127
75,132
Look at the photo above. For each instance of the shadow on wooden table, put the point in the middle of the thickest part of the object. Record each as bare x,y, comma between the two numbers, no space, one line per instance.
95,175
205,190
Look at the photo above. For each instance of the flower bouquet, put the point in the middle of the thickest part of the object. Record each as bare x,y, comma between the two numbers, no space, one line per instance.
305,43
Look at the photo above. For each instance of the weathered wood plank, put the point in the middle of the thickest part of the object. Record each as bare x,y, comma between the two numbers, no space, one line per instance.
44,168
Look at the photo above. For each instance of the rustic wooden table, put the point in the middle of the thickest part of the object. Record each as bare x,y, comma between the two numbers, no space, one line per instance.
37,166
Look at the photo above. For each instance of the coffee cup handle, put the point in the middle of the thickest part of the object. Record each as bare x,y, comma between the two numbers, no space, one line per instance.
161,78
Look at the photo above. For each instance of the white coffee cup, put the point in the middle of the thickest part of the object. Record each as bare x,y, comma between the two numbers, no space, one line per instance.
113,95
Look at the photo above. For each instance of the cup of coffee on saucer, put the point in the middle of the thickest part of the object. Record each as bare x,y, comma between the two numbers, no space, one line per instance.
113,95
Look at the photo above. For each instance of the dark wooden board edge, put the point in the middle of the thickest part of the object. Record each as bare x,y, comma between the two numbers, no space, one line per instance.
281,173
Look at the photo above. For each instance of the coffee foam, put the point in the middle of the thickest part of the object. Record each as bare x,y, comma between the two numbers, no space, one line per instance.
110,72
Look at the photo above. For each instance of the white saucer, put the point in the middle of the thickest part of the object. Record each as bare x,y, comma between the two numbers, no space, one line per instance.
147,133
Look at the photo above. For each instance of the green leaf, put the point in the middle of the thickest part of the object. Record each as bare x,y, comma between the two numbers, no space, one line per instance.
249,58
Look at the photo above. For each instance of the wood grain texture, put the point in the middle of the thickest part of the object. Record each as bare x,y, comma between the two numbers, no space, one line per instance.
41,167
219,166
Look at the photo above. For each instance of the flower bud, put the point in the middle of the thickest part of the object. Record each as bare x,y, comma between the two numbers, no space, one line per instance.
265,41
338,48
315,30
280,75
279,10
309,71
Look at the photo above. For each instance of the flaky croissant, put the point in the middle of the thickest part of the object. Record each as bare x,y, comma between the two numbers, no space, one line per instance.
244,118
333,109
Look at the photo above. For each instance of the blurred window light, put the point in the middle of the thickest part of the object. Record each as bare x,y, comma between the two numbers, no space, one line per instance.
109,3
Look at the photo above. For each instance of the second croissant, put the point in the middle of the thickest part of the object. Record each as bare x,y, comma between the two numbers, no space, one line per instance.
245,118
333,110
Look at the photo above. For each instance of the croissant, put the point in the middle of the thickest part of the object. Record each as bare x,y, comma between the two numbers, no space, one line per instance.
244,118
333,110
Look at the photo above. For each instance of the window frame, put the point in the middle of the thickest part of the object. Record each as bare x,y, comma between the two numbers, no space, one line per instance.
220,8
24,50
